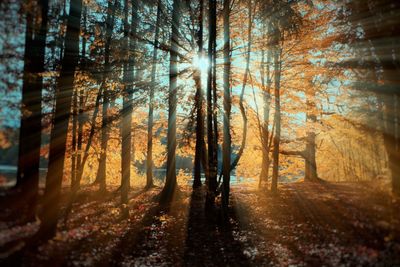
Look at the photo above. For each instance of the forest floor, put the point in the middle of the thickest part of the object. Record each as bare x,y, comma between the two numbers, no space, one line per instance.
305,224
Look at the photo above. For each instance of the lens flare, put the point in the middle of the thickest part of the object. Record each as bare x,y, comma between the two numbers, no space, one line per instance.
200,63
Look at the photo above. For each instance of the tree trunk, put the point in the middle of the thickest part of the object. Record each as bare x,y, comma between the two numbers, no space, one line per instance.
199,105
149,159
169,189
310,161
212,174
245,79
226,163
126,113
58,138
79,160
267,107
101,173
31,109
79,165
74,137
277,119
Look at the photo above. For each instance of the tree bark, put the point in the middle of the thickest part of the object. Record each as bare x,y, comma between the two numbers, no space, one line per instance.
74,137
199,105
126,113
241,101
277,119
31,109
58,139
81,121
169,189
212,174
226,162
310,161
149,159
101,173
267,107
245,79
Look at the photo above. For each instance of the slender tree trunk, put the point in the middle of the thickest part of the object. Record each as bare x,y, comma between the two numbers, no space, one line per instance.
74,137
79,160
226,163
149,160
31,110
245,79
126,113
310,161
79,164
199,105
101,174
91,134
214,113
169,189
58,138
241,101
212,175
277,119
267,107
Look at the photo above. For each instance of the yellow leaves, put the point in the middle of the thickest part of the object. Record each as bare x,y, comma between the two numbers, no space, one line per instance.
165,218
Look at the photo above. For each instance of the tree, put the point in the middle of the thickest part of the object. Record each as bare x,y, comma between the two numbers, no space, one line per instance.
310,173
277,118
169,189
199,104
211,81
149,159
227,109
385,63
31,106
101,173
126,113
265,72
58,139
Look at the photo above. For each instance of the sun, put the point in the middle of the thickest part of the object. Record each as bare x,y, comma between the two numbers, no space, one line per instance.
201,63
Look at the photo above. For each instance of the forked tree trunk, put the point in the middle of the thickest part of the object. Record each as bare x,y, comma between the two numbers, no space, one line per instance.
245,80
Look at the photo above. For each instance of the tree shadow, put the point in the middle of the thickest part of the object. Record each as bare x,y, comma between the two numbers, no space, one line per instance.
150,242
26,249
210,241
130,243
